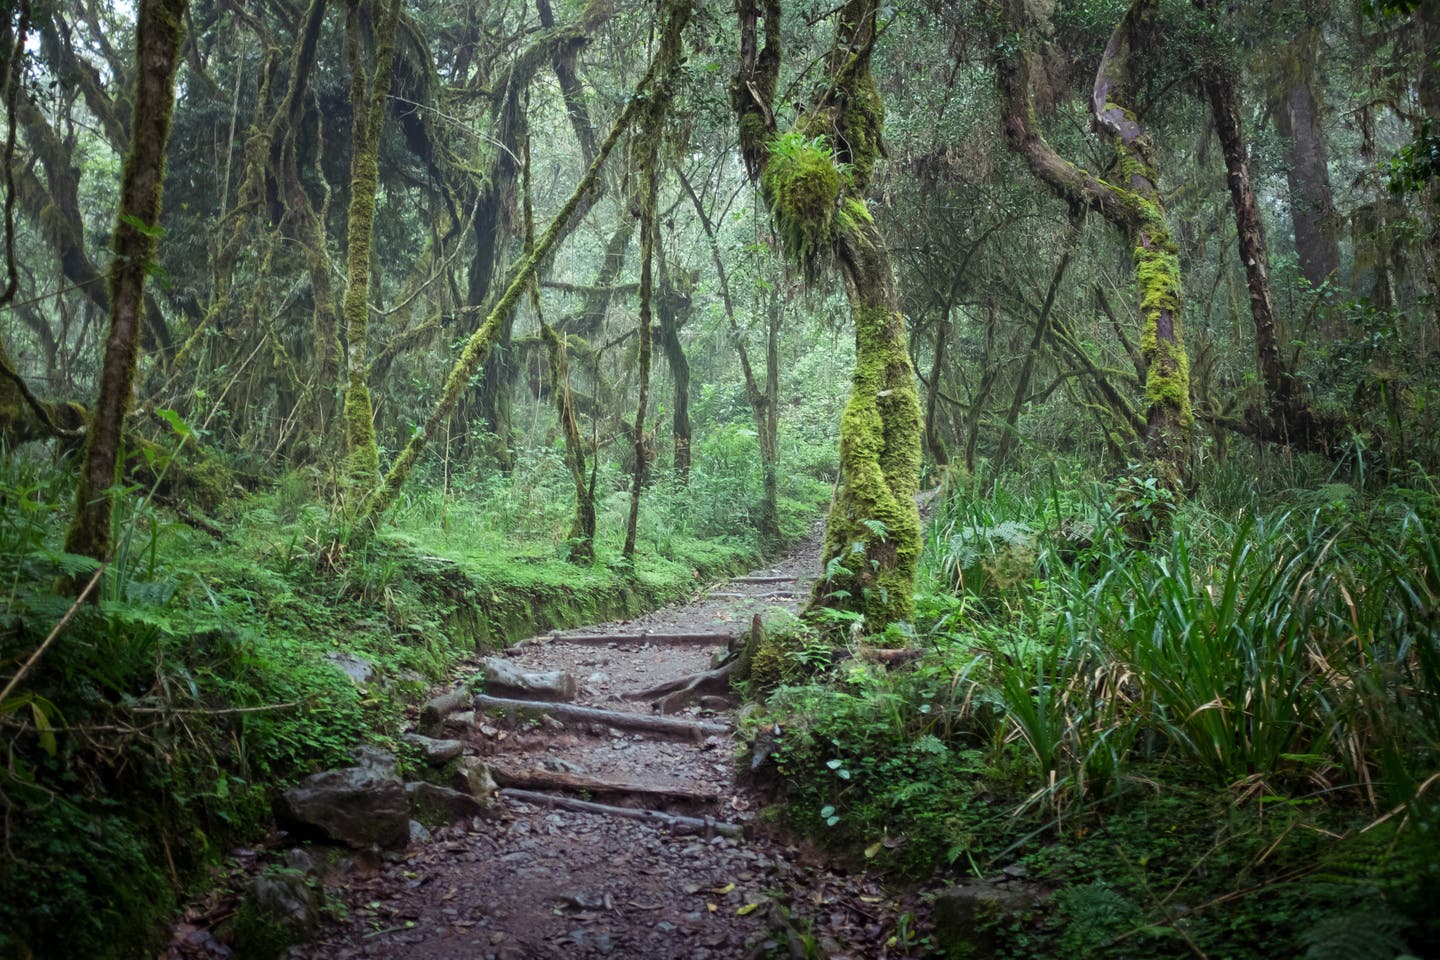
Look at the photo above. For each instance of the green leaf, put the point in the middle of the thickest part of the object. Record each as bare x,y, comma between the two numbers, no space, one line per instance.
177,423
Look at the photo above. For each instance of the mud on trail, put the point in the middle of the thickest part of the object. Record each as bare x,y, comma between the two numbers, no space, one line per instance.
610,839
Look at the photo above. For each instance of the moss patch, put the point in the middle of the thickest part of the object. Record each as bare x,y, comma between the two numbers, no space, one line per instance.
802,186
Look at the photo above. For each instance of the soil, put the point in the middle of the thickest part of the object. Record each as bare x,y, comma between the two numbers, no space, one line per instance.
534,881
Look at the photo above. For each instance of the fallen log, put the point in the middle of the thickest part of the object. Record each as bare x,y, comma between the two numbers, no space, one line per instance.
643,636
669,727
679,692
538,779
676,822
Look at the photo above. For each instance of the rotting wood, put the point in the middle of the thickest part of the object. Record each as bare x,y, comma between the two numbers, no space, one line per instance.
535,778
641,637
676,822
679,692
638,722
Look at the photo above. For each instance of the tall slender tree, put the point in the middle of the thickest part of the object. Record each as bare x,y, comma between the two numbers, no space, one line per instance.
159,33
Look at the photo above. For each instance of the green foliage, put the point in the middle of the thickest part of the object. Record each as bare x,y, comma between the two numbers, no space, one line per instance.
1152,727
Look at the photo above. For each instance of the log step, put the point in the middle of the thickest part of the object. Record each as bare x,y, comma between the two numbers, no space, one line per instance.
668,727
537,779
764,579
644,636
676,822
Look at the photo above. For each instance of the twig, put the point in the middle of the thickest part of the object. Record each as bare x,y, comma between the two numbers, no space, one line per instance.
228,711
55,632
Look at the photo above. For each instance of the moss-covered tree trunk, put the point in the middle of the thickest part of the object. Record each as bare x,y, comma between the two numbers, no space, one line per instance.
873,532
1129,199
368,105
158,35
813,179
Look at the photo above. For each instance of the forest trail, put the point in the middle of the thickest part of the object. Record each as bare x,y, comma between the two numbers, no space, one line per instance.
541,877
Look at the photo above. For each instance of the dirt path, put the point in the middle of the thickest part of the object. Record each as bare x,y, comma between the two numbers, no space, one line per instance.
536,880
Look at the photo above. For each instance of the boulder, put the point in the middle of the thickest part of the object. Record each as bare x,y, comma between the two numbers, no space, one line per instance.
503,678
967,914
436,752
360,671
435,804
361,806
277,912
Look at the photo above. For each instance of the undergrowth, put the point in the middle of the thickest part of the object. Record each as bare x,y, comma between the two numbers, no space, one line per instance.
1221,743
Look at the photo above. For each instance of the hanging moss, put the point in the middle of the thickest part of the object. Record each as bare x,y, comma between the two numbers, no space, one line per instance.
802,186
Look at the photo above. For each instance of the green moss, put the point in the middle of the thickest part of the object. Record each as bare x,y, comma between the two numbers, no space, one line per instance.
874,529
802,187
860,125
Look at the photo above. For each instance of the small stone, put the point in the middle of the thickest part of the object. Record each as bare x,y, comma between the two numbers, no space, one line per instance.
418,833
550,723
489,731
461,718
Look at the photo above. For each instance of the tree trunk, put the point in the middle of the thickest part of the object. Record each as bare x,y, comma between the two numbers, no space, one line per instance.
1131,201
1307,171
673,307
363,467
647,152
934,444
158,34
874,508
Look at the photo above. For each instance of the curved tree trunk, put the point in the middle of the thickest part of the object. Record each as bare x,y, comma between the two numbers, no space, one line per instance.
158,34
1131,201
